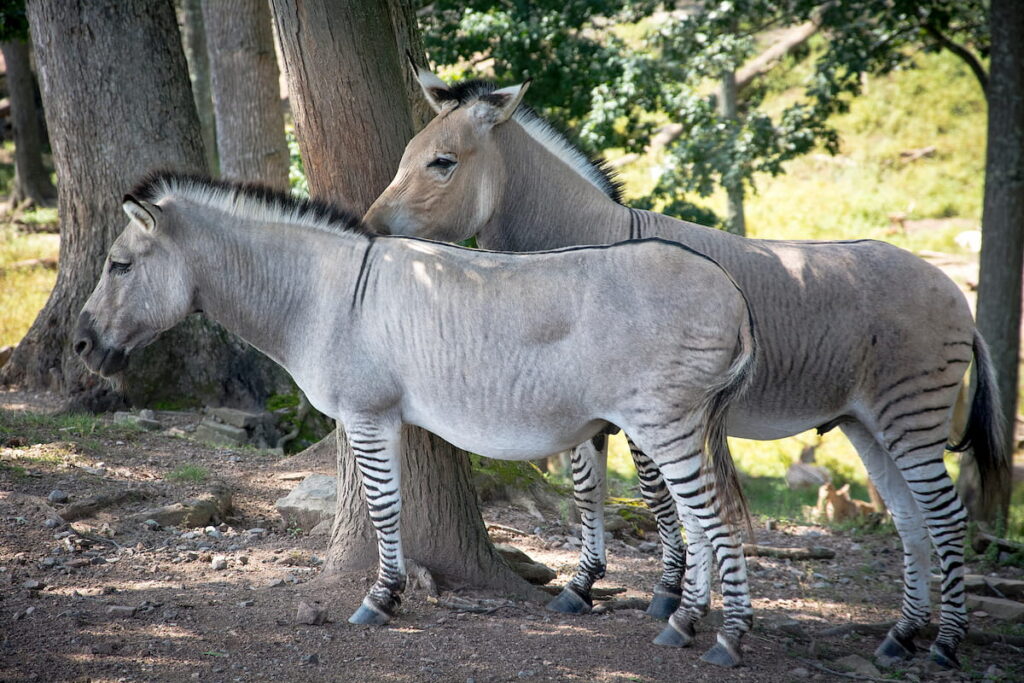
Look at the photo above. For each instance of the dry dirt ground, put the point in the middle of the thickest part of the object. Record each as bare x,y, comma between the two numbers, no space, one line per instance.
120,601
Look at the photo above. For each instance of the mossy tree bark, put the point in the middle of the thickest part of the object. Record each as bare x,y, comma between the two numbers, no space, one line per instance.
118,105
353,118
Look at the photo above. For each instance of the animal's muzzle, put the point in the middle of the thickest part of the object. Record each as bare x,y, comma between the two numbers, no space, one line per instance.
98,358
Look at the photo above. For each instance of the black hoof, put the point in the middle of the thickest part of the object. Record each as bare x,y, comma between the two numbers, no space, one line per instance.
671,636
664,603
894,650
570,602
723,653
368,613
944,656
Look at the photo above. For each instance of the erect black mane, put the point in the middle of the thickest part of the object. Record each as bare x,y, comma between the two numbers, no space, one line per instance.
159,184
465,92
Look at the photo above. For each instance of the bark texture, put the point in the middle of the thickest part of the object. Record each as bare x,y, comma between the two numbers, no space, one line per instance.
1002,247
346,90
251,144
31,179
353,119
115,90
193,39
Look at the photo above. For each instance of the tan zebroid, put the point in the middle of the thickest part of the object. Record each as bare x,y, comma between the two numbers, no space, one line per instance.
858,335
496,353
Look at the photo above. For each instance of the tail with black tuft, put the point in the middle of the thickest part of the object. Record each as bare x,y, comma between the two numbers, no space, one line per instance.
986,427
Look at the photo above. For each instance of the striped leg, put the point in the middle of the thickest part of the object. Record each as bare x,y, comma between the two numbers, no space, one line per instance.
679,457
376,449
910,525
667,592
589,465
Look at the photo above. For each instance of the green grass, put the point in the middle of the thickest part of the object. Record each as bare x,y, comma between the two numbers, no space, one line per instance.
190,473
23,290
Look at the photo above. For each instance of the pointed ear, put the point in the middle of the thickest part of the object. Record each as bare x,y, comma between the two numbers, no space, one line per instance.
845,489
434,89
498,106
143,214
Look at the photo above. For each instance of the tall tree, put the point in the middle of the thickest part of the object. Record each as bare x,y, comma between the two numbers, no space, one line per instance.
345,80
193,40
31,179
251,144
1002,246
118,106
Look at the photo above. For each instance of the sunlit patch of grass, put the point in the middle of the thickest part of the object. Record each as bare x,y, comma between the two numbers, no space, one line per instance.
188,473
854,194
42,215
23,290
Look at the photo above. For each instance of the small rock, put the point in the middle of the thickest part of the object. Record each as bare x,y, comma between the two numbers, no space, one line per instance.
525,673
48,562
999,608
120,612
33,585
256,532
799,672
313,615
98,471
246,603
152,524
51,523
102,649
57,496
213,532
992,673
311,660
857,664
218,562
275,583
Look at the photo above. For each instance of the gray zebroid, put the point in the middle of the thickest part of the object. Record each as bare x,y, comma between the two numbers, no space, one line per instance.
860,335
497,353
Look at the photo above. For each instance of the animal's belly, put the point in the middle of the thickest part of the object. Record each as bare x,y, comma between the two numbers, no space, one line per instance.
506,439
767,426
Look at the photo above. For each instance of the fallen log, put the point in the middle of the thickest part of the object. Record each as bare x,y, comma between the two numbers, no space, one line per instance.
812,553
90,506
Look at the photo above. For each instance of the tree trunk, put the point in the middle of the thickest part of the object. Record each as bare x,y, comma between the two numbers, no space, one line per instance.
735,221
193,39
352,120
31,179
1002,246
118,106
246,92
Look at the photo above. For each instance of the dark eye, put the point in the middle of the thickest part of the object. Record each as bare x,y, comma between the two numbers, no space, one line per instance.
443,163
118,268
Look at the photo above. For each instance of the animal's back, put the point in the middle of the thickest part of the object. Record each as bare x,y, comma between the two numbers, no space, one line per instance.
836,321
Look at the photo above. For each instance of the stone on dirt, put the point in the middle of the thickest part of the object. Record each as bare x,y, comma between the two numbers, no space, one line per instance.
219,434
195,512
310,614
144,420
522,564
120,612
999,608
57,496
857,664
234,427
219,562
311,502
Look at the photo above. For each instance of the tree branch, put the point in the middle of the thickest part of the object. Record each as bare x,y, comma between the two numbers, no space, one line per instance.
961,52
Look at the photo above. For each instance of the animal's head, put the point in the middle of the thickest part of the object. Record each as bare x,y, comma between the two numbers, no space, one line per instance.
145,288
451,174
